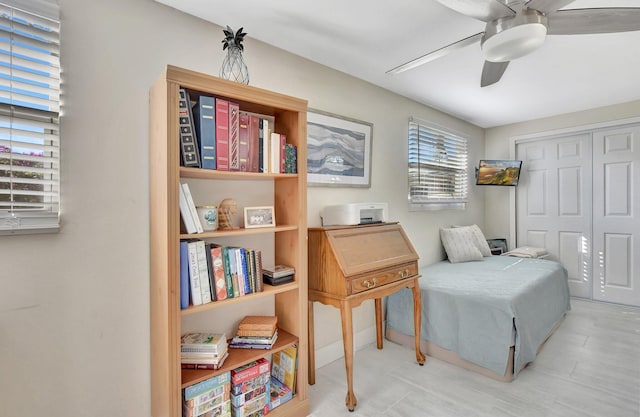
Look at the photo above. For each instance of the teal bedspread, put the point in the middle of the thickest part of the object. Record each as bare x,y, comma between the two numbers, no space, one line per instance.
472,308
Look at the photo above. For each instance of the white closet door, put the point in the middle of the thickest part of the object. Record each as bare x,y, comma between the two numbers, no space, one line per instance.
616,211
553,204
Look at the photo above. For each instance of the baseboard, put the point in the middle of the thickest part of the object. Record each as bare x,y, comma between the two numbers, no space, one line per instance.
335,350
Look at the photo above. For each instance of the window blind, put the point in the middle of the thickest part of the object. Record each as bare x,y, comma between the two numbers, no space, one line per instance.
29,114
437,167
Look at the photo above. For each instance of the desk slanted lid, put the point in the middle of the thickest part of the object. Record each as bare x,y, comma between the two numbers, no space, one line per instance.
360,249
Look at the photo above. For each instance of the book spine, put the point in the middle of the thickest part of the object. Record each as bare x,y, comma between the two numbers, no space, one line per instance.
251,269
185,212
206,130
266,140
239,271
245,271
188,140
283,153
254,144
243,134
259,283
222,134
227,272
218,272
275,153
184,275
261,366
194,274
192,207
212,282
234,138
205,288
261,145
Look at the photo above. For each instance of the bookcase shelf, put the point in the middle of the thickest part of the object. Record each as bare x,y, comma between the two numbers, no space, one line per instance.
285,243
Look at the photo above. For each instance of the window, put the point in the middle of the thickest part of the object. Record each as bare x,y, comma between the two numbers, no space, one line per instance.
29,109
437,167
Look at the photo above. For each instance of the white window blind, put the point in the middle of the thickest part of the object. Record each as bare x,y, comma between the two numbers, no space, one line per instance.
437,167
29,109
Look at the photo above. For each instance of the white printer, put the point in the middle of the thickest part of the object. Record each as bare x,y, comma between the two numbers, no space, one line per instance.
354,213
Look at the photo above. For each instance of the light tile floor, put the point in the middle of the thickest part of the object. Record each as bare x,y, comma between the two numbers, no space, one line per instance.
590,367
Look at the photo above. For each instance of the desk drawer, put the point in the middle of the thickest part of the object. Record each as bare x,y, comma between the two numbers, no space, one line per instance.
379,279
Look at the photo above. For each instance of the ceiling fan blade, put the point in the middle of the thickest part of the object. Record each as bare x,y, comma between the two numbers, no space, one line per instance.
485,10
436,54
492,72
587,21
547,6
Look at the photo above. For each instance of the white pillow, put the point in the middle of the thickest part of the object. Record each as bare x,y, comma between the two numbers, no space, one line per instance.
478,239
459,244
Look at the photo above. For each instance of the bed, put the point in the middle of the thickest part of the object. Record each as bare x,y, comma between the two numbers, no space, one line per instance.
490,315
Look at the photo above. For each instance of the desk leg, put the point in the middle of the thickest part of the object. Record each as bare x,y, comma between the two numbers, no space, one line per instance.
378,302
312,348
417,315
347,339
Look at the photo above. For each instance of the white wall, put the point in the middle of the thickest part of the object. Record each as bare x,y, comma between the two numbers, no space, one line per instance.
74,306
499,140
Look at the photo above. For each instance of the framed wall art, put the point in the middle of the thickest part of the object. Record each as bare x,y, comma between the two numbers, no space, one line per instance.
338,150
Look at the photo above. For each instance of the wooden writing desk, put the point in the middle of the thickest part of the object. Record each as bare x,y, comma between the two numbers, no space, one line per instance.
351,264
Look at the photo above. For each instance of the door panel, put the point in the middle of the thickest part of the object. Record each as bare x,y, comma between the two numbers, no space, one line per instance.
616,221
553,203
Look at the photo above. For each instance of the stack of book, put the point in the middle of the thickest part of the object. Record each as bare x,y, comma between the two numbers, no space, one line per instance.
203,350
250,389
256,332
278,274
208,398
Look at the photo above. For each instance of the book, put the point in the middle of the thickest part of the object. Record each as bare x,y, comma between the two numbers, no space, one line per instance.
203,272
192,207
188,139
283,153
247,372
192,391
278,281
185,212
220,410
217,266
265,144
227,272
233,268
205,125
223,390
253,143
274,153
203,342
291,159
254,342
234,137
278,271
256,407
259,271
243,140
243,275
261,388
212,282
284,365
194,273
250,384
222,134
210,400
251,269
184,275
258,323
197,363
280,394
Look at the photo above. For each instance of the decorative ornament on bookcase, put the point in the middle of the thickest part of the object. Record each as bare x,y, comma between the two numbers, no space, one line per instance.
226,209
233,67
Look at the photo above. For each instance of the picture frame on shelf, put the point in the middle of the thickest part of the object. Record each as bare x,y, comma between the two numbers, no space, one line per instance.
338,150
259,217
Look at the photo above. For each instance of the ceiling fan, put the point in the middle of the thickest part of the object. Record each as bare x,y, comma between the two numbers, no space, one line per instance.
515,28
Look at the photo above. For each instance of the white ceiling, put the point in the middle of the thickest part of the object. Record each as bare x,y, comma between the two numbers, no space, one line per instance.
366,38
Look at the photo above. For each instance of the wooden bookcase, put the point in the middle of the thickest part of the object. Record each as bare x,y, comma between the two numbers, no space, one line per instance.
287,241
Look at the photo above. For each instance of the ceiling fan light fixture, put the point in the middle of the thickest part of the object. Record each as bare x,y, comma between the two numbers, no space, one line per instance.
514,42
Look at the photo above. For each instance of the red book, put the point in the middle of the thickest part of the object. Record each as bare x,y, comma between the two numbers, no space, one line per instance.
254,143
243,134
234,136
283,153
222,134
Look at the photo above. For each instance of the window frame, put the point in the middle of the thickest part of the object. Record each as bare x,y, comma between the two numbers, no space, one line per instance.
453,193
29,117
